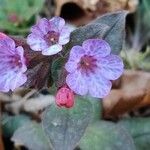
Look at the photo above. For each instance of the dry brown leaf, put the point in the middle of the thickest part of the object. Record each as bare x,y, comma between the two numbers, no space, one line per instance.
80,12
104,6
133,93
84,4
33,105
26,100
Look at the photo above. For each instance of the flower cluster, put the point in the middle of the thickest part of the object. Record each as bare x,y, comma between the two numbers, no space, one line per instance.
12,64
90,67
48,36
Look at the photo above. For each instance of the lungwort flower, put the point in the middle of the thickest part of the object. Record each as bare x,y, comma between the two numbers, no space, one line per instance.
12,65
91,68
48,36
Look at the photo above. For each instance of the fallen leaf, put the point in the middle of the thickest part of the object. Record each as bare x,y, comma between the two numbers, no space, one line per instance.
80,12
26,100
133,93
104,6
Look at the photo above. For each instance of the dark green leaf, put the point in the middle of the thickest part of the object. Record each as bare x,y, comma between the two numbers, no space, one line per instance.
104,135
31,136
56,69
144,60
116,33
16,14
92,30
11,123
65,127
97,108
110,27
140,131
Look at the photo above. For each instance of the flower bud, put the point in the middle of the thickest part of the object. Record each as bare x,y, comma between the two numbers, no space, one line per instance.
65,97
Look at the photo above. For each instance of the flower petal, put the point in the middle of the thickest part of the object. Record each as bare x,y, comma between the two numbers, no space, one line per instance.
36,30
75,54
12,65
57,23
36,42
8,44
54,49
4,83
96,47
2,36
11,80
111,67
20,52
76,82
64,36
98,86
71,66
18,80
42,27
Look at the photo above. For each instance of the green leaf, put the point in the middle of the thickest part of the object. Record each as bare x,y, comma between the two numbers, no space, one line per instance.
25,9
31,136
96,104
110,27
116,33
144,60
57,70
17,14
144,13
11,123
8,26
105,135
92,30
141,34
65,127
140,131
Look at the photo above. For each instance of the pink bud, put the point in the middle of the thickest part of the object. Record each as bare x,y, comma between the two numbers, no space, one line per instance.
65,97
2,35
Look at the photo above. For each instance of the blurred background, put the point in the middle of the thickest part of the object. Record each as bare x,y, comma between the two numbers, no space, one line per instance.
130,96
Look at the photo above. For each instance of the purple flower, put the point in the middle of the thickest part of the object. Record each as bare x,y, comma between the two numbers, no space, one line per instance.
48,36
91,67
12,65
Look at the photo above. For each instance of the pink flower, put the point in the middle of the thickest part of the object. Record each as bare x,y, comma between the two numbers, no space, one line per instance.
65,97
48,36
12,65
91,67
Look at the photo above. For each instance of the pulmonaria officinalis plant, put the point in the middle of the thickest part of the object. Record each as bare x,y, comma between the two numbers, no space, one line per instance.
87,66
48,36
